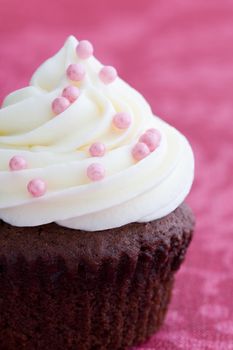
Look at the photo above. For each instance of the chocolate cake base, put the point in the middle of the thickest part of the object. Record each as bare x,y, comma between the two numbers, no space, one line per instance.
64,289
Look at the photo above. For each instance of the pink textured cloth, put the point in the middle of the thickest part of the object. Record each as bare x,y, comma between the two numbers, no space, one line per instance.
179,54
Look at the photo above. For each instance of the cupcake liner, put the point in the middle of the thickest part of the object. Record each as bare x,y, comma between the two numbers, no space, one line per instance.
111,296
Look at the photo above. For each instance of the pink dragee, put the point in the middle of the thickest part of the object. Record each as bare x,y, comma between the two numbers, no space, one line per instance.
75,72
17,163
107,74
71,93
180,56
84,49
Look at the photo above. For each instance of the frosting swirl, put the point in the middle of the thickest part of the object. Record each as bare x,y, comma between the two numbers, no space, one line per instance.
56,149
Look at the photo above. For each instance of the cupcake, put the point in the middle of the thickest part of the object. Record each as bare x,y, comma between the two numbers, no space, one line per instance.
93,224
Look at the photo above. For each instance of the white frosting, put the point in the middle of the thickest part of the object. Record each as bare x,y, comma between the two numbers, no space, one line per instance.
56,149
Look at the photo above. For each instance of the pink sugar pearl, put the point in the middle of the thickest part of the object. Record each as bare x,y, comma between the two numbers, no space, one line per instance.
95,172
17,163
154,132
122,120
84,49
75,72
37,187
71,93
107,74
97,149
140,151
151,138
60,104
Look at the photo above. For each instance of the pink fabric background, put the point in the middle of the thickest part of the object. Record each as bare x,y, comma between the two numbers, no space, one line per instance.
179,54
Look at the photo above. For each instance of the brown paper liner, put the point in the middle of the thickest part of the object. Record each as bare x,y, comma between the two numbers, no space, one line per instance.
53,301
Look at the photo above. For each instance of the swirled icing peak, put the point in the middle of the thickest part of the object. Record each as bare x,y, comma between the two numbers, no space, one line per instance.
82,148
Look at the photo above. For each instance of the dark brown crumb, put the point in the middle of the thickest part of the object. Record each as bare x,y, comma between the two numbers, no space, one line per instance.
70,289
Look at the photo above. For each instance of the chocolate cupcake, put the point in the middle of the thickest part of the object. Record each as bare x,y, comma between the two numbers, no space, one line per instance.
92,220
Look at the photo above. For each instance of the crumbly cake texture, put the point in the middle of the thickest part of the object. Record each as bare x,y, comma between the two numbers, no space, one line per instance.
68,289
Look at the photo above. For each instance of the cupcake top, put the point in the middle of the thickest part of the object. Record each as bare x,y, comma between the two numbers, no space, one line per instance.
82,148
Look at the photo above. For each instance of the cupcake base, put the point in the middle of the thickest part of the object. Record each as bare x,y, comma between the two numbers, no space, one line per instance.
105,290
